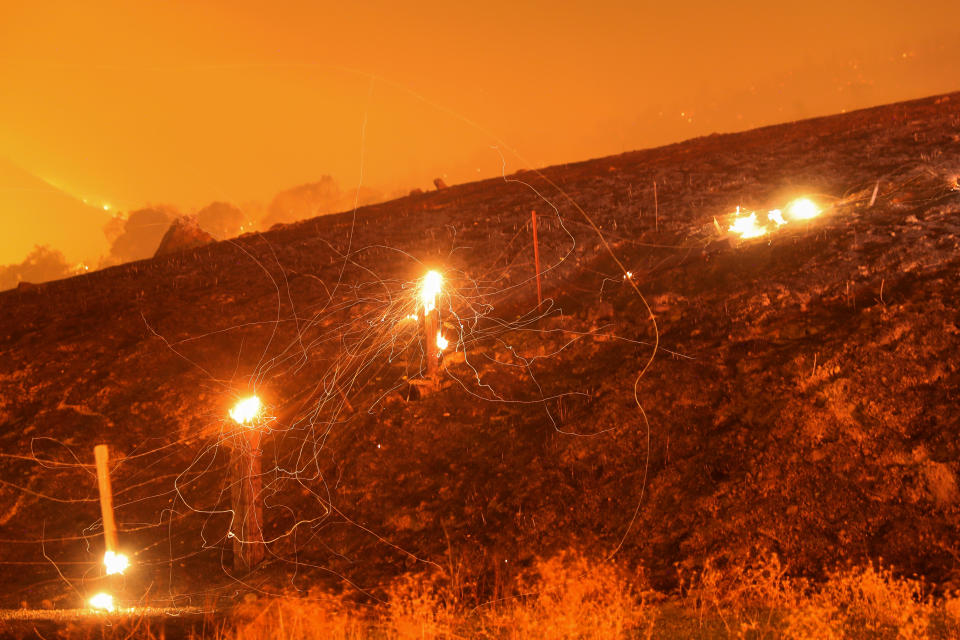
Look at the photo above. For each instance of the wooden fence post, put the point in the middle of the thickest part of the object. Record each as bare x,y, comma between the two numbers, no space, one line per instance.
430,289
656,207
536,256
101,454
245,489
431,327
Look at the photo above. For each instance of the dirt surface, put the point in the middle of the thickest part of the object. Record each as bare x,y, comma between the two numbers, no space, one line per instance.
802,399
141,622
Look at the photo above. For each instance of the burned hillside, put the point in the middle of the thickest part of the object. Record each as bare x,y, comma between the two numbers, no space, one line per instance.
800,398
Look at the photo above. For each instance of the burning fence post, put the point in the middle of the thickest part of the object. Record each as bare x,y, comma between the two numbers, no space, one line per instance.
430,293
536,256
114,562
102,454
246,485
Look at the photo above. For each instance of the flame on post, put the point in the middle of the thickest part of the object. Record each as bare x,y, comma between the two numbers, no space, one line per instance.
430,289
115,562
746,226
442,342
803,209
102,602
246,411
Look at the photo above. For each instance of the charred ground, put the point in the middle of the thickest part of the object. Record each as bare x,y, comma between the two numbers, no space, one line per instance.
803,399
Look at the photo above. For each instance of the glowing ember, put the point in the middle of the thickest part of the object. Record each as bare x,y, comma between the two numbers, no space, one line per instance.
246,411
115,562
776,216
746,226
430,290
628,275
803,209
102,602
441,342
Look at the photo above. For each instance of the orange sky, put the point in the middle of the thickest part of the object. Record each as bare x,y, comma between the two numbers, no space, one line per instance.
130,103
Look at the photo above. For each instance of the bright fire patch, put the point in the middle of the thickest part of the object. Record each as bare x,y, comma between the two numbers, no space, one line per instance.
441,342
102,602
746,226
430,289
246,411
803,209
776,216
115,562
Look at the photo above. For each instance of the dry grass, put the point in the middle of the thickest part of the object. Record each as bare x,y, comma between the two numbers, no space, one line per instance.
759,600
417,609
573,597
318,617
569,597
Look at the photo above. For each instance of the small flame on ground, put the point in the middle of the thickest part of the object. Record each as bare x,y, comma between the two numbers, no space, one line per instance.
628,275
246,411
746,226
803,209
441,341
102,602
115,562
430,289
776,216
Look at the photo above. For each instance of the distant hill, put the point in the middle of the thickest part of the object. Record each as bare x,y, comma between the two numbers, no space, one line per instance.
34,212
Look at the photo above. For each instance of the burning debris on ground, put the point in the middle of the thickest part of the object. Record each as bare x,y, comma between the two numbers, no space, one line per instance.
795,287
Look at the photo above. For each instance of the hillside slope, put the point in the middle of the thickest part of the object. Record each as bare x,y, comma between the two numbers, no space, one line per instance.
36,213
802,398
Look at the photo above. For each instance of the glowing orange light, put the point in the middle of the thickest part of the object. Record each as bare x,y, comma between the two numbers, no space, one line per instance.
441,341
803,209
246,411
430,289
776,216
115,562
746,226
102,602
